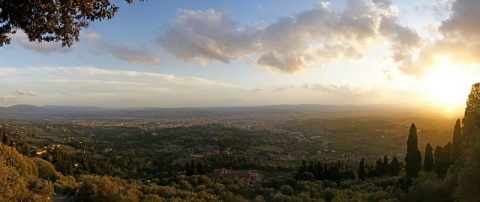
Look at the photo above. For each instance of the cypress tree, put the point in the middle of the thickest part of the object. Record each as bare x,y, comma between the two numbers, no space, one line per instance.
413,159
362,173
379,168
428,161
385,165
471,119
303,168
200,168
394,167
457,140
440,161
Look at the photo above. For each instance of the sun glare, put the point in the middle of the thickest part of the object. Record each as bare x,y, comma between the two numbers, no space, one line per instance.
447,85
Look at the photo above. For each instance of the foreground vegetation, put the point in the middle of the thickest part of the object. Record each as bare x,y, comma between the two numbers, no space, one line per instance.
176,164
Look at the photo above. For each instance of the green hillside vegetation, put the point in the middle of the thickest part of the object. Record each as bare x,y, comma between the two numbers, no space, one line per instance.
116,164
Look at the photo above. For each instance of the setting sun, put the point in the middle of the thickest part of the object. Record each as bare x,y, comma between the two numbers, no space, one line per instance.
448,85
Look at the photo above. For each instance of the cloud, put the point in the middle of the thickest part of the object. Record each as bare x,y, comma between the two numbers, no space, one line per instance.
139,56
388,75
8,99
122,79
67,94
290,44
206,35
459,39
346,91
107,87
121,52
25,93
464,20
283,88
43,48
232,100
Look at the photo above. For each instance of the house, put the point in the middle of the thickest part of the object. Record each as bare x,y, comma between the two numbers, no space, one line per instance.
39,153
252,176
196,155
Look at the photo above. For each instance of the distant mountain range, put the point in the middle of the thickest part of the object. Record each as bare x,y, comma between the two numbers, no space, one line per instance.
53,111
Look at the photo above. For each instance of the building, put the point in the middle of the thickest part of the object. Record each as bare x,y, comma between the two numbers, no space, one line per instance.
252,176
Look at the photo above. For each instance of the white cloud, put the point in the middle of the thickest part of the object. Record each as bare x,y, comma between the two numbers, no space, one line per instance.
210,34
43,48
290,44
67,94
26,93
458,39
9,99
139,56
109,88
346,90
121,52
283,88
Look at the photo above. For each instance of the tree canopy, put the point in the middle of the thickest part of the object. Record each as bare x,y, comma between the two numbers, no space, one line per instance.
471,120
413,159
52,20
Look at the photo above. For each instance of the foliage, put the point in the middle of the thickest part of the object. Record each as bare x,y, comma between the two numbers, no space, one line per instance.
362,173
428,160
413,159
457,140
469,178
395,167
19,180
104,188
51,20
428,187
471,119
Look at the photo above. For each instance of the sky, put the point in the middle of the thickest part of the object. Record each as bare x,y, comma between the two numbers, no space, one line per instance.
209,53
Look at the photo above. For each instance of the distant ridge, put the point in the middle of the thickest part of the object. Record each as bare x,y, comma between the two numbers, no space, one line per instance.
58,111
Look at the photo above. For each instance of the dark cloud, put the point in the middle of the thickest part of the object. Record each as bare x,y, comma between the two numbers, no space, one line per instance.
459,41
464,21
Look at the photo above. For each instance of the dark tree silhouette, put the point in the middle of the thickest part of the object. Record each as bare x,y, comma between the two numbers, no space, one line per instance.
428,161
413,159
385,165
362,173
394,167
471,119
457,140
52,20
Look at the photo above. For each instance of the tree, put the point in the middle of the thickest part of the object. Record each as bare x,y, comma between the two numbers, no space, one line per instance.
53,20
6,139
200,168
394,167
379,168
428,161
439,165
471,119
362,173
457,139
469,178
413,159
303,167
385,165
